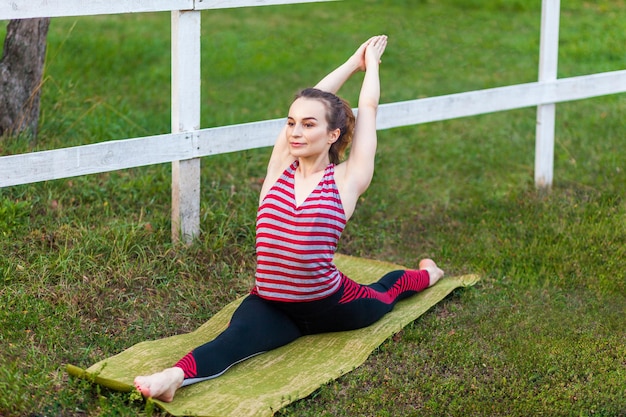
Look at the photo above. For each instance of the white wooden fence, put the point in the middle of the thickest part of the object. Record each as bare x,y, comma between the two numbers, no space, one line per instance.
187,142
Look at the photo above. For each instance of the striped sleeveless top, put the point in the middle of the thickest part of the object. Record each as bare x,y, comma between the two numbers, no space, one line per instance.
295,245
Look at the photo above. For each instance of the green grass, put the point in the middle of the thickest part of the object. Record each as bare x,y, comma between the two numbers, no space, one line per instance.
88,269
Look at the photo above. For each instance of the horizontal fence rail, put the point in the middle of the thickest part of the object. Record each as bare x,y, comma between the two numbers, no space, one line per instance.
25,9
500,99
128,153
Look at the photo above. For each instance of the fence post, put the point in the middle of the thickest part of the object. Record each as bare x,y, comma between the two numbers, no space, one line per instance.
548,62
186,118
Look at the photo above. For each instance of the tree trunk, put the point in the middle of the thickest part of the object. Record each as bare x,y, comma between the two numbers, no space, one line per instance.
21,70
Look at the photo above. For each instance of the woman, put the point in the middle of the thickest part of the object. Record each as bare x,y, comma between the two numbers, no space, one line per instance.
307,197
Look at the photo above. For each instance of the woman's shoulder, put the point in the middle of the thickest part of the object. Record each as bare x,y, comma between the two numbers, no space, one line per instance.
274,172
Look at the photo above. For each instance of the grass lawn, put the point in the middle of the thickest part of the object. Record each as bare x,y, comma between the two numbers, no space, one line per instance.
88,268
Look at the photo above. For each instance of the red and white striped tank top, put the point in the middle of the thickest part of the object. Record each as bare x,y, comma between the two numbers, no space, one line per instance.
295,245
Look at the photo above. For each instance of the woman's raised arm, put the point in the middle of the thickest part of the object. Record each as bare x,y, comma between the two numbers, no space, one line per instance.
359,167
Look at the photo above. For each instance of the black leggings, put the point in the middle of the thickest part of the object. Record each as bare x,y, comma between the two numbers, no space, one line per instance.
259,325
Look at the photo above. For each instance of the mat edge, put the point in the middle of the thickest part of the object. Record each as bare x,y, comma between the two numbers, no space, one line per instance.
79,372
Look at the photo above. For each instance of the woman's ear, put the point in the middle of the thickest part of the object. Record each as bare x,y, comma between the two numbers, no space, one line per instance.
333,135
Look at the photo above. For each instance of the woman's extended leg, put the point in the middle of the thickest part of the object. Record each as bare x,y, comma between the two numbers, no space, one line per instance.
362,305
256,327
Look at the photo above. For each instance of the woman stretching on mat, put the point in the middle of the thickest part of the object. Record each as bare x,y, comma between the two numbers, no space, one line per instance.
307,197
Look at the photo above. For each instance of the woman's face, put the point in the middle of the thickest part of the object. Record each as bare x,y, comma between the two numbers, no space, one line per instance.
307,128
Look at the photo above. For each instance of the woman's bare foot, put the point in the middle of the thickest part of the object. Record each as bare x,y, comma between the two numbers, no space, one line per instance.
162,385
434,271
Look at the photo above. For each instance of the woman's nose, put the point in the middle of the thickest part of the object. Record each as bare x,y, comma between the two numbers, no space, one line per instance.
297,130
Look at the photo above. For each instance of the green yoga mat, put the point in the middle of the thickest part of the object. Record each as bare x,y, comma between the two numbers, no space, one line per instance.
265,383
